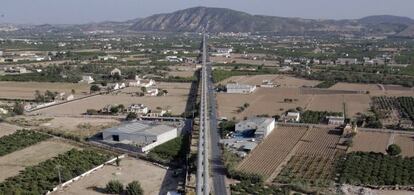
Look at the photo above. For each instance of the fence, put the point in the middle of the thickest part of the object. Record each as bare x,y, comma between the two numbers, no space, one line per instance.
84,174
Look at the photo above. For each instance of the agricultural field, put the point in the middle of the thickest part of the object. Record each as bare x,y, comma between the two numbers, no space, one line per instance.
26,90
263,101
392,110
406,142
281,80
175,101
6,129
368,141
11,164
267,157
236,58
319,141
154,180
314,169
40,178
362,168
375,89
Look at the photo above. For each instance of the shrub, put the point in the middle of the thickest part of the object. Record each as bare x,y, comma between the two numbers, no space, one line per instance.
394,150
114,187
134,188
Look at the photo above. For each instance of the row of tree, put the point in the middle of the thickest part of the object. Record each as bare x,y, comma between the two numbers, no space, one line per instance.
20,139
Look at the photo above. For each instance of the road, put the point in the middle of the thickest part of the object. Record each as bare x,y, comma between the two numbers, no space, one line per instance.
209,152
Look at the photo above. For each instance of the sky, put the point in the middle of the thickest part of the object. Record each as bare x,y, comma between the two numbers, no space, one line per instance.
86,11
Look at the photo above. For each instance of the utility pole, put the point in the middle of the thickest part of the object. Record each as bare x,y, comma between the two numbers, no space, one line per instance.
60,178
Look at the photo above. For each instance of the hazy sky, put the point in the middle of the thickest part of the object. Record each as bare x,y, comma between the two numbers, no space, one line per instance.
85,11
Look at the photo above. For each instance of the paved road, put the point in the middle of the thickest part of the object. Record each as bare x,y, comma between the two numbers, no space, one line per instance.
217,168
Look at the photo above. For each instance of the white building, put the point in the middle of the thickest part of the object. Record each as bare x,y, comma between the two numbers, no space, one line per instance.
173,59
142,135
139,109
115,71
261,126
240,88
106,58
336,120
157,113
87,79
292,117
152,92
347,61
222,52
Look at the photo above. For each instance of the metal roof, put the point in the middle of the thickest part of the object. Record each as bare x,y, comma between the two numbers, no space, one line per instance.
140,129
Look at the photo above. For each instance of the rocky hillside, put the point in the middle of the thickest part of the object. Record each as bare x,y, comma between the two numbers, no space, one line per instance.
226,20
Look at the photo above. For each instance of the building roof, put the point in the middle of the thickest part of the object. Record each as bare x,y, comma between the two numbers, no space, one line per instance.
238,86
257,120
140,129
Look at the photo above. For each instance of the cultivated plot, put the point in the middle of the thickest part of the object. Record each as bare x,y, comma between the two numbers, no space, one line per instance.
11,164
154,180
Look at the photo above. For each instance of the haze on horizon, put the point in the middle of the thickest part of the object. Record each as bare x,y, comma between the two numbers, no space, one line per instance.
86,11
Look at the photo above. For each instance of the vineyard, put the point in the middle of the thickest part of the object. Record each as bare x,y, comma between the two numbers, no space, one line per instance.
267,156
43,177
20,139
314,169
316,117
391,110
319,141
362,168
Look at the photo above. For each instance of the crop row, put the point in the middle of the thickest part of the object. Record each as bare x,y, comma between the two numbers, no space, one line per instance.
20,139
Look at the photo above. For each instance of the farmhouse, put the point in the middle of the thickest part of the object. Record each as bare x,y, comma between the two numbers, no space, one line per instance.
239,88
87,79
336,120
292,117
116,71
152,92
143,135
261,126
138,109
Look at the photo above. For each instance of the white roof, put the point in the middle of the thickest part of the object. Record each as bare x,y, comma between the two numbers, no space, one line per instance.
140,128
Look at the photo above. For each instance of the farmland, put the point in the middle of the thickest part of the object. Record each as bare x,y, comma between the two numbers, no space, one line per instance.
267,157
394,109
376,169
281,80
154,180
20,139
26,90
6,129
11,164
175,101
406,142
310,152
72,163
367,141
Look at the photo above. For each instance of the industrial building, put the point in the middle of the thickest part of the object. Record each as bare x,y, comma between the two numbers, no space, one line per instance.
261,126
240,88
145,136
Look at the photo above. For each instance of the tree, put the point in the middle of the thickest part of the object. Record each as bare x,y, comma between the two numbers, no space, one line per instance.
73,91
393,150
117,161
121,107
18,108
131,116
114,187
114,109
134,188
95,88
144,89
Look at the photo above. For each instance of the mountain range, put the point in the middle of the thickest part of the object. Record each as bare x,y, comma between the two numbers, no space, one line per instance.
197,19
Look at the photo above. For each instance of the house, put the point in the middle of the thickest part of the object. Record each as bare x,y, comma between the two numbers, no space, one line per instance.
139,109
222,52
173,59
3,111
335,120
115,71
240,88
292,117
346,61
70,97
106,109
106,58
87,79
260,125
152,92
156,113
138,82
145,136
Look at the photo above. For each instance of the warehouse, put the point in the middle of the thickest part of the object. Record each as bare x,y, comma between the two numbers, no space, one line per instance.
240,88
261,126
145,136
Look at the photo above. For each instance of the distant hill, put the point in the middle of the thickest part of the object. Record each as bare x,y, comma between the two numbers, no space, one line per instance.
197,19
226,20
